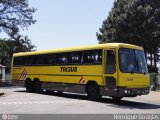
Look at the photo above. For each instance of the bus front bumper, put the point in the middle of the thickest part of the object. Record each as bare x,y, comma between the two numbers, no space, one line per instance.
125,92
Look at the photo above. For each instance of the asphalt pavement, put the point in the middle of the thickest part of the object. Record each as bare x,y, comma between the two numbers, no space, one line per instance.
17,101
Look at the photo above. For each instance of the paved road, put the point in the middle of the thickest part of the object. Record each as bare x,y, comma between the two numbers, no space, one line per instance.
17,101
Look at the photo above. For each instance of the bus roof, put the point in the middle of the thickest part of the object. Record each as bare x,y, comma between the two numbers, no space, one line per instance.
79,48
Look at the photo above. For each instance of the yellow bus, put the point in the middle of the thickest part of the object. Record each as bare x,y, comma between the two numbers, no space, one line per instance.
113,69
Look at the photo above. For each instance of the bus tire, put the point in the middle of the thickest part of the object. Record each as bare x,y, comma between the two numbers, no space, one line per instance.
29,85
37,86
93,92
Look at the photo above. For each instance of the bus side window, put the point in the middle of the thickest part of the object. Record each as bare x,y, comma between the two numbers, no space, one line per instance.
28,61
46,60
62,59
82,60
65,60
110,62
52,59
76,58
18,61
86,56
98,58
37,60
92,57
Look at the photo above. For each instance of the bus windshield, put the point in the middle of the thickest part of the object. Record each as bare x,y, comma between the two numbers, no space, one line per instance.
132,61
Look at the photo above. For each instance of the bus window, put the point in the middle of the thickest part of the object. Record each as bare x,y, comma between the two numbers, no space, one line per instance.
132,61
142,65
47,60
61,59
98,57
37,60
127,58
92,57
76,58
27,60
52,59
110,62
18,61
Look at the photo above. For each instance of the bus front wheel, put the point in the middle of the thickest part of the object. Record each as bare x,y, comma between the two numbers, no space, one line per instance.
93,92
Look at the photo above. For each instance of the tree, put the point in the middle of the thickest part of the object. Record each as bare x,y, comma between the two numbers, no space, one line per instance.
135,22
3,52
17,43
15,15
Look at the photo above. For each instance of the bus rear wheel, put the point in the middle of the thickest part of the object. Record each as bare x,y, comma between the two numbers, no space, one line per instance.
29,85
37,86
93,92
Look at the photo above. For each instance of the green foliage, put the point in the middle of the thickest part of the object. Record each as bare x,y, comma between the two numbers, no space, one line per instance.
135,22
152,69
14,15
17,43
3,51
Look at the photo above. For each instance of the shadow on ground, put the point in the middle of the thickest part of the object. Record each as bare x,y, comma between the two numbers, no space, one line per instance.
125,104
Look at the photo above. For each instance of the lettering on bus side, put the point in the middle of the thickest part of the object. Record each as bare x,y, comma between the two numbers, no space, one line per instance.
68,69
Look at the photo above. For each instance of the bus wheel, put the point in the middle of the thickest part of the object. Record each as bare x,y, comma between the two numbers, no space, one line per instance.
37,86
29,85
117,98
93,92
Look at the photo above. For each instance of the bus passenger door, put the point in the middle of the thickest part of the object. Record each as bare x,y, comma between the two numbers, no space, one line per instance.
110,69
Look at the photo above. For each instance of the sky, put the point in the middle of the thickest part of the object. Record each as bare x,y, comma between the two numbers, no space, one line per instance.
66,23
